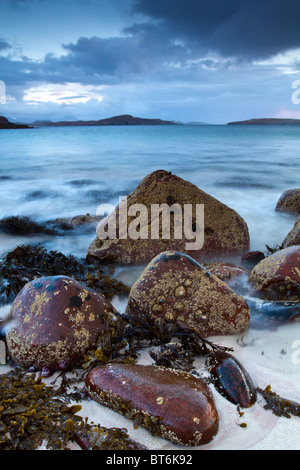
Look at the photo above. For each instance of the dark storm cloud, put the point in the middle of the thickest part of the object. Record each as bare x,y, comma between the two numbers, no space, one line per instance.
171,43
4,45
243,28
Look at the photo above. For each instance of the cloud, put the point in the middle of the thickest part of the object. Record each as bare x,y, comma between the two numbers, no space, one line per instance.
242,28
4,45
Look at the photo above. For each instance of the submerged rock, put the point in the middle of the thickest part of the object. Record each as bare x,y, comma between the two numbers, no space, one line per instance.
169,403
24,226
225,271
289,202
278,276
225,232
175,288
56,320
267,314
251,259
231,379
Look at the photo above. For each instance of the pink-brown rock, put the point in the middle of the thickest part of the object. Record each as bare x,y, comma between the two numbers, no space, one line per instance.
174,287
169,403
225,231
225,271
55,320
277,277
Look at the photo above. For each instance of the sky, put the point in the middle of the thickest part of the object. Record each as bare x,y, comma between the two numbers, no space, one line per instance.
210,61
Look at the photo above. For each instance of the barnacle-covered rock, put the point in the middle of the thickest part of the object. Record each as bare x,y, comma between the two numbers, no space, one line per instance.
231,379
175,288
289,201
225,231
169,403
278,276
56,320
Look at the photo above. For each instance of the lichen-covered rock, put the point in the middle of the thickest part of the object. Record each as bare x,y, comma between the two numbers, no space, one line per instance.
174,287
293,237
231,379
289,202
277,277
225,232
169,403
55,320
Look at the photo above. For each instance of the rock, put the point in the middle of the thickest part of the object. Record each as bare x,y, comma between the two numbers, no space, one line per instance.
174,287
278,276
293,237
289,202
84,220
231,379
251,259
225,232
23,226
56,320
169,403
225,271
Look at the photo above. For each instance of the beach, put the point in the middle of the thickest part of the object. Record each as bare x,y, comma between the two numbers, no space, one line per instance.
60,173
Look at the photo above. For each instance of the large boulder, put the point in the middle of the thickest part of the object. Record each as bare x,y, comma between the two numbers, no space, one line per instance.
175,288
289,202
277,277
56,320
225,232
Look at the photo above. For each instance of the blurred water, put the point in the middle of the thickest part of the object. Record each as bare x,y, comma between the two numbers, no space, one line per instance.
61,172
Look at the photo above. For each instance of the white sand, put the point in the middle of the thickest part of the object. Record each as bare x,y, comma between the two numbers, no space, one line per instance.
264,430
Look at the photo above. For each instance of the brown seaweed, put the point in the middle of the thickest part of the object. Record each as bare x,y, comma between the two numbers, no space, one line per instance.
27,262
281,407
32,414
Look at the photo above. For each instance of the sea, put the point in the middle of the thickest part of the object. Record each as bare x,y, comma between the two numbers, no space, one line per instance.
61,172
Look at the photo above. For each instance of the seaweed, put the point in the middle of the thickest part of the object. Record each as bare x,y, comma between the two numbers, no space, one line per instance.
143,330
33,414
27,262
281,407
99,438
273,249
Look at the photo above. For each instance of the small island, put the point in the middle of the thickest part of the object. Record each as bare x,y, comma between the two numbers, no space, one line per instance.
123,120
6,124
266,122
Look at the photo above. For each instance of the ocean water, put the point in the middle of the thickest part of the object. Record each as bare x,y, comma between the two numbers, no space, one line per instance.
48,173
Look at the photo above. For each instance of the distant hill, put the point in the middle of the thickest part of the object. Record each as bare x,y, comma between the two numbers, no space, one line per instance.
6,124
123,120
267,122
